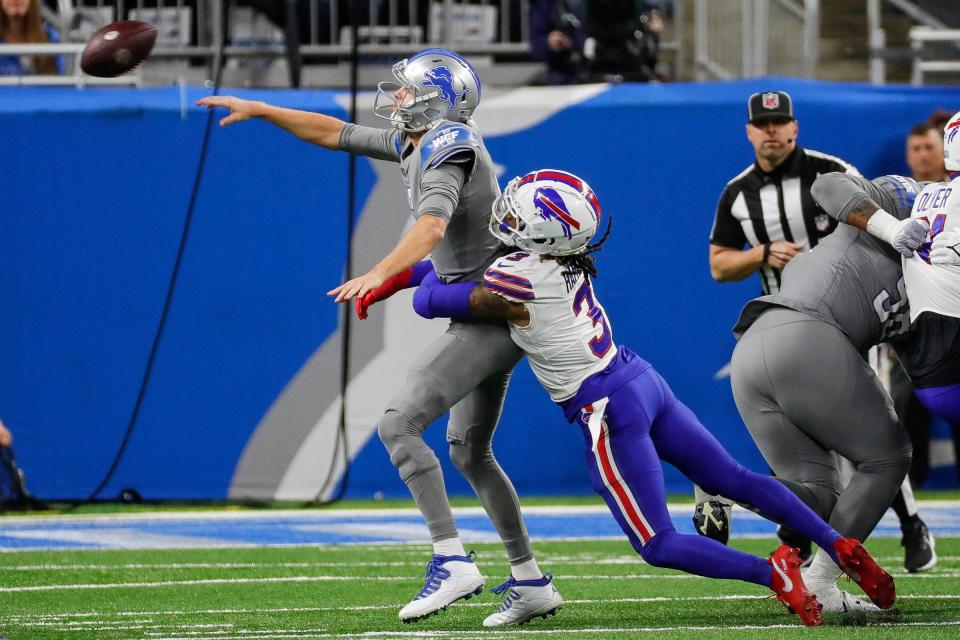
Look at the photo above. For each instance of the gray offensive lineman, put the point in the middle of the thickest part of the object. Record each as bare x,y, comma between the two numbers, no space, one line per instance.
802,384
451,186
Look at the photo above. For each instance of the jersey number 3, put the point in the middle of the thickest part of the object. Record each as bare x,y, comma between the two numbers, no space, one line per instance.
600,344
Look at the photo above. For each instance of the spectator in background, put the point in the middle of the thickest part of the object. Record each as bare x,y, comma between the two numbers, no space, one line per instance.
939,118
13,489
623,39
556,38
925,153
22,23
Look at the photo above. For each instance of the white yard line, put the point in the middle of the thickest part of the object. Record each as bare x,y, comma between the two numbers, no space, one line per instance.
546,560
940,575
53,618
257,634
373,512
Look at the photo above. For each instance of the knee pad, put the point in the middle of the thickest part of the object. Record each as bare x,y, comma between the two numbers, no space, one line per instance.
467,458
404,442
423,398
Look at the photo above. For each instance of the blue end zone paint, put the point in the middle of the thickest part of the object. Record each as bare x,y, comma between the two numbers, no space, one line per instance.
220,529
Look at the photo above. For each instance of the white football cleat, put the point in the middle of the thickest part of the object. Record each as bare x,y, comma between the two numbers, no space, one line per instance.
449,578
526,600
835,600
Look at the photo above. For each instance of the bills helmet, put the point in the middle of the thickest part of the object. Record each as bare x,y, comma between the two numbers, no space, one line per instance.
951,144
546,212
432,85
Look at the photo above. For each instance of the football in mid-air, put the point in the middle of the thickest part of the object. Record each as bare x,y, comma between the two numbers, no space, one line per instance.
118,48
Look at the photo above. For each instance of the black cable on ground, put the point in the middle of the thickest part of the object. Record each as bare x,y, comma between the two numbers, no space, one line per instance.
171,288
341,447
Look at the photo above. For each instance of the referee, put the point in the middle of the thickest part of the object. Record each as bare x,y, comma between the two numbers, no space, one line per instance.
767,207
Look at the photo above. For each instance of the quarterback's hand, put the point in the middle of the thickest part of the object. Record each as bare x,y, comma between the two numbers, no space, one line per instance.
239,109
356,287
946,248
909,235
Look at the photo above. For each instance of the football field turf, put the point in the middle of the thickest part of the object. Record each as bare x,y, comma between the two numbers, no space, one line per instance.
354,590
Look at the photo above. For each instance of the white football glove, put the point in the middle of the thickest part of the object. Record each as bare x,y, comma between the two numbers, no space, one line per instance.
946,248
909,235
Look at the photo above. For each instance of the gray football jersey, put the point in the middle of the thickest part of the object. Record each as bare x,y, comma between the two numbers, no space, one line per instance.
448,174
851,279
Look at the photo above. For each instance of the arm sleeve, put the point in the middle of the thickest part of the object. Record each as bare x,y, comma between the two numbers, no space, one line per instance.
840,193
434,299
380,144
440,189
726,231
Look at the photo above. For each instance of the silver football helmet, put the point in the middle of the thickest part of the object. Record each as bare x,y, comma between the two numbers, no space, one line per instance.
432,85
546,212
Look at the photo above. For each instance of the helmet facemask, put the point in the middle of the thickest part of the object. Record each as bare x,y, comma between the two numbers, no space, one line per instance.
404,104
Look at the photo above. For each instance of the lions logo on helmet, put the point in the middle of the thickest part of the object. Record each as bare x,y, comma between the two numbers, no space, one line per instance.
441,78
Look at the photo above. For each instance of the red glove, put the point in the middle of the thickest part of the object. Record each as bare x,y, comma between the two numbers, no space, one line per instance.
389,287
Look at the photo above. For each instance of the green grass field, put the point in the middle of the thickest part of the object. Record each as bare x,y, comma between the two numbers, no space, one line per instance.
356,590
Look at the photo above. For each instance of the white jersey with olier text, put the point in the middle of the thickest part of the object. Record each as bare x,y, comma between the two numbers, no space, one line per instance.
932,287
568,338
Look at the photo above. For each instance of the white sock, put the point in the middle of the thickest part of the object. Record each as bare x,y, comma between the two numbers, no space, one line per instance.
449,547
526,570
822,570
908,498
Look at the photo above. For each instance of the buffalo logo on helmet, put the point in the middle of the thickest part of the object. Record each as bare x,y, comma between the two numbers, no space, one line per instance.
953,127
771,101
442,78
550,205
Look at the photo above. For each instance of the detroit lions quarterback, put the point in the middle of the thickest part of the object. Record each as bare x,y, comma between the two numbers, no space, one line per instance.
628,416
451,186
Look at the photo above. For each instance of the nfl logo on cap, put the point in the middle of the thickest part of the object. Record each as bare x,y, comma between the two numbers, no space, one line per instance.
769,104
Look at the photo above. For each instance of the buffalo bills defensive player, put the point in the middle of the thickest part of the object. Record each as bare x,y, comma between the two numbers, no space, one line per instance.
929,241
629,418
451,186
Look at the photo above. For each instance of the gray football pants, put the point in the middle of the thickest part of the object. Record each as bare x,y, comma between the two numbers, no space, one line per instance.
804,392
465,371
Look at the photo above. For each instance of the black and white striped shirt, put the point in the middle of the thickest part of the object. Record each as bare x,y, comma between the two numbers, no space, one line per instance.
757,207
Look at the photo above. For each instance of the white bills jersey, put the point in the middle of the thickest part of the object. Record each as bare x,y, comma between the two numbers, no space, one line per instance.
931,287
568,338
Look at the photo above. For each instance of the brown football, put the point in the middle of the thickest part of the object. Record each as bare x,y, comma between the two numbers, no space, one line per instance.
117,48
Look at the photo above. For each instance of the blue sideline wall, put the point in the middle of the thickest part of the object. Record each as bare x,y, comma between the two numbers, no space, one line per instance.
95,187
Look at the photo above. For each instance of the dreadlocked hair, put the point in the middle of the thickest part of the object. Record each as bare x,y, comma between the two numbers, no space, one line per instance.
583,262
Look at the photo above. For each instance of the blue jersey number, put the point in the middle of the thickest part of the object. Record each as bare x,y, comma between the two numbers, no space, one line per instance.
601,344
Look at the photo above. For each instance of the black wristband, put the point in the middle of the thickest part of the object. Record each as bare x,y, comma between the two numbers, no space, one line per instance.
766,253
